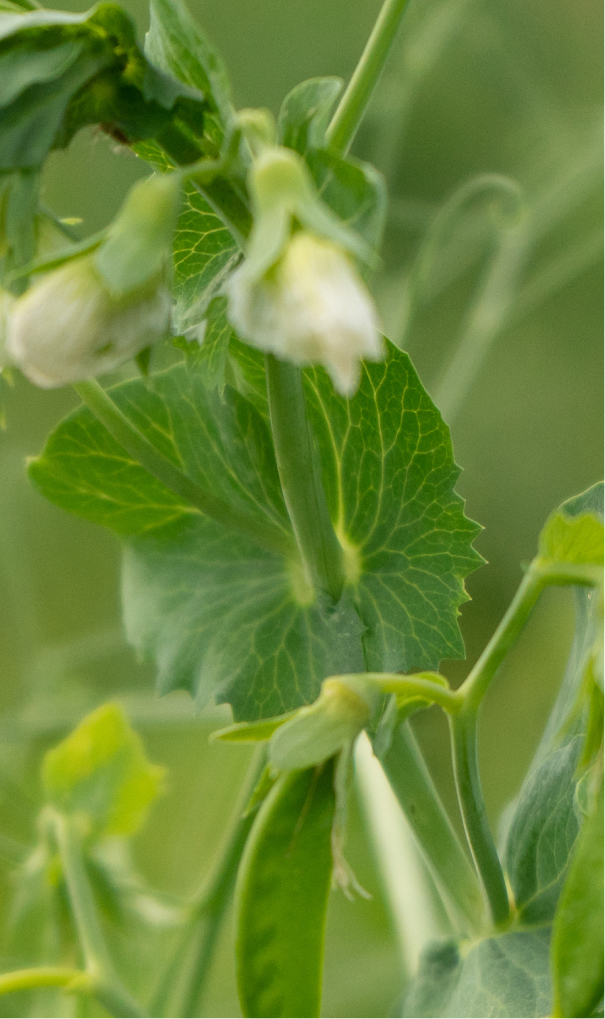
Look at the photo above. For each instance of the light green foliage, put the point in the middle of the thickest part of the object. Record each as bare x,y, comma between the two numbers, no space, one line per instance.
101,771
500,976
281,897
305,113
577,946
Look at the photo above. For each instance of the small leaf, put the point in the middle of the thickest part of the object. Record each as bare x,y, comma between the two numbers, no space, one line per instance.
101,771
577,945
542,834
176,44
320,730
574,532
210,351
282,895
252,732
305,113
355,191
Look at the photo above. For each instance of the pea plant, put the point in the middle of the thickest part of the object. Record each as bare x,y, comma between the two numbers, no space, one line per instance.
294,547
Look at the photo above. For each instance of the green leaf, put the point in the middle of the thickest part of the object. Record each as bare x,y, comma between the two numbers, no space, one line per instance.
389,475
305,113
223,616
176,44
577,944
101,771
574,532
504,976
355,191
212,349
252,732
282,895
542,834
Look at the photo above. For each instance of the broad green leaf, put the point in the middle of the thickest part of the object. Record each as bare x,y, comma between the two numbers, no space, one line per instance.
282,895
101,771
389,476
176,44
305,113
504,976
542,834
22,66
211,349
577,945
223,616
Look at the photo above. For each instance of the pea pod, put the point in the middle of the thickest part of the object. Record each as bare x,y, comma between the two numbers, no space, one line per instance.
282,896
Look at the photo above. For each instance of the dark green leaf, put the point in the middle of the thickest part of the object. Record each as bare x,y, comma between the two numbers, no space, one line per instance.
503,976
542,834
22,66
282,895
176,44
577,946
305,113
389,476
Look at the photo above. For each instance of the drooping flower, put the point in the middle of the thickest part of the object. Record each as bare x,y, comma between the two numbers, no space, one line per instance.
68,327
298,294
101,308
310,307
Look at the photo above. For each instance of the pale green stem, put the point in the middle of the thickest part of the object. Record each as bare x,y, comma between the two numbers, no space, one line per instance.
300,476
463,728
352,106
440,847
186,975
45,976
108,987
268,535
418,685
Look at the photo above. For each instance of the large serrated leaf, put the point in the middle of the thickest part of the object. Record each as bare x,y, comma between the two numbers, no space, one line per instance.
225,617
389,475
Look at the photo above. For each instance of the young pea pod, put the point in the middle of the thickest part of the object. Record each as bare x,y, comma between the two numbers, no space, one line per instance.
282,895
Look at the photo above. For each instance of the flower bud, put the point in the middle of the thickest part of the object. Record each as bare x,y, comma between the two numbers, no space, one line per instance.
310,307
68,326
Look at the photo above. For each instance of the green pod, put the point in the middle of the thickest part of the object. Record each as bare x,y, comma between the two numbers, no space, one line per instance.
282,896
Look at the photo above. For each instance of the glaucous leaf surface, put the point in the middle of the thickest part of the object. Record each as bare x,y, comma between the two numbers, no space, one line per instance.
223,616
503,976
577,947
281,897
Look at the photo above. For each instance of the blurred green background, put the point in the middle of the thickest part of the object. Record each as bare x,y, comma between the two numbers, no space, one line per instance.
473,87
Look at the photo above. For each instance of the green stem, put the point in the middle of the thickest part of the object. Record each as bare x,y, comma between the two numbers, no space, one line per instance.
419,685
475,685
107,985
300,476
44,976
472,806
269,536
190,964
352,106
450,867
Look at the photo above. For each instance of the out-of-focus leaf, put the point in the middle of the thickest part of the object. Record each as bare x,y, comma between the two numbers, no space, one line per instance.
176,43
355,191
101,771
542,834
282,896
577,944
503,976
305,113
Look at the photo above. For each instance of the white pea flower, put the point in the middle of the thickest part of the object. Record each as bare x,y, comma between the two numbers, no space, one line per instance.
68,326
309,307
